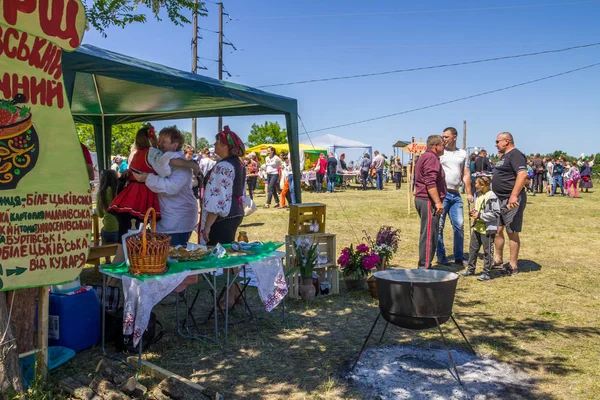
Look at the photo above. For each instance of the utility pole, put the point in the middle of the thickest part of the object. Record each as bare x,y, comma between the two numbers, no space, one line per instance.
195,69
465,135
220,54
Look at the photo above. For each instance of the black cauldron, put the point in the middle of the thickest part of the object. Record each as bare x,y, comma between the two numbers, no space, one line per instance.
414,298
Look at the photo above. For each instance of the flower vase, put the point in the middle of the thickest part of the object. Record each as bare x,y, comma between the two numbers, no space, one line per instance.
372,282
382,266
355,284
307,289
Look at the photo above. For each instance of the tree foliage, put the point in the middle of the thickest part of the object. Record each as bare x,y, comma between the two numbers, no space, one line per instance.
122,138
102,14
269,132
201,142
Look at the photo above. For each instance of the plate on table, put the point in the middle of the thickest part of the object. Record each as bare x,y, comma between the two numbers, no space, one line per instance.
182,254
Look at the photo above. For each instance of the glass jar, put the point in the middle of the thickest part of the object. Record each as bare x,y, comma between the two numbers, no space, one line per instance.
242,237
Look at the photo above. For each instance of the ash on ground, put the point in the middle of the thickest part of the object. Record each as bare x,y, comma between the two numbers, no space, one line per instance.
407,372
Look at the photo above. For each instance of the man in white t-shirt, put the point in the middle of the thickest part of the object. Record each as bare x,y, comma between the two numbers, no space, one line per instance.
456,168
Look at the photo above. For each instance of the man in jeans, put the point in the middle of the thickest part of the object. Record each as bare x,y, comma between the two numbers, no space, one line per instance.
430,190
378,164
456,170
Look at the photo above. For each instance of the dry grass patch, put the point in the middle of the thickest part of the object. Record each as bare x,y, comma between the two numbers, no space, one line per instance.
544,321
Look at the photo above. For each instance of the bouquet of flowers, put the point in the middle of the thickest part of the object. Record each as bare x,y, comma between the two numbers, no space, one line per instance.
307,257
359,262
386,243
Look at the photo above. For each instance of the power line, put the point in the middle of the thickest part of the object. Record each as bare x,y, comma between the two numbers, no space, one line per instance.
434,66
385,13
411,46
455,100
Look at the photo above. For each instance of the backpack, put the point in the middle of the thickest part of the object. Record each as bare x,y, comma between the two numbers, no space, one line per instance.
576,174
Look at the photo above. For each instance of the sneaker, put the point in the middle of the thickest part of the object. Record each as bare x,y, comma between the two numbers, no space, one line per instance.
462,263
484,277
467,273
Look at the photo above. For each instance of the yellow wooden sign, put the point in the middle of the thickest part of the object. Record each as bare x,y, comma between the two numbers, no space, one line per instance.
45,201
415,148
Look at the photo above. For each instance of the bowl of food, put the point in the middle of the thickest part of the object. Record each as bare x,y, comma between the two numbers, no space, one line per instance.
19,144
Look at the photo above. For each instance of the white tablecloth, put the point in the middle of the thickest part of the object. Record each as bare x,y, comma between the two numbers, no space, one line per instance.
141,296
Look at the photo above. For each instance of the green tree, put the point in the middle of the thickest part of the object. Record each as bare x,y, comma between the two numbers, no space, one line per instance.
102,14
123,136
201,142
269,132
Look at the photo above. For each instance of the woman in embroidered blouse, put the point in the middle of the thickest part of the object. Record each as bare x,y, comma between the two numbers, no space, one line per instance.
222,209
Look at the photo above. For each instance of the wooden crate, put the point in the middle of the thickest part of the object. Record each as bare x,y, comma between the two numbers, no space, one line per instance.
327,272
302,215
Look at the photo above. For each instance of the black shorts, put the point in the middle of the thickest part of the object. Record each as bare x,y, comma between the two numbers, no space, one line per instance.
513,219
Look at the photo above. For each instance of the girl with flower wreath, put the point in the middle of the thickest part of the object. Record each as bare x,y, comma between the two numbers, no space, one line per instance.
133,201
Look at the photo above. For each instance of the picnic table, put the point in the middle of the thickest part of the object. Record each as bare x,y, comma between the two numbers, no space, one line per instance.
345,177
143,292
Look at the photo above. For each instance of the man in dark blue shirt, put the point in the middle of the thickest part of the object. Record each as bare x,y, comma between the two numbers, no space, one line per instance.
331,172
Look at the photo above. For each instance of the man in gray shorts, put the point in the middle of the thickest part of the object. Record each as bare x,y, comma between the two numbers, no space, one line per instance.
508,184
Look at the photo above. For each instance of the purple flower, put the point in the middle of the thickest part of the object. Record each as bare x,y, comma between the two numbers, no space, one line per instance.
362,248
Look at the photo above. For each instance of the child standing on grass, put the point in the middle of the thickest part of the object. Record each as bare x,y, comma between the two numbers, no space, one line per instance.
485,214
573,181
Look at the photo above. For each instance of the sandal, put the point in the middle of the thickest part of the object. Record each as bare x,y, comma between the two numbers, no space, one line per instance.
267,206
498,265
511,271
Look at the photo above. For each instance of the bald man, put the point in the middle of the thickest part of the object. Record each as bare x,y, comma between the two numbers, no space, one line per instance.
508,184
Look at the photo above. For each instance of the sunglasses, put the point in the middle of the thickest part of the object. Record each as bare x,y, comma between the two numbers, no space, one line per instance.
498,141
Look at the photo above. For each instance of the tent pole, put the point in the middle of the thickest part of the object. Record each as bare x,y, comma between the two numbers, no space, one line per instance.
291,123
103,165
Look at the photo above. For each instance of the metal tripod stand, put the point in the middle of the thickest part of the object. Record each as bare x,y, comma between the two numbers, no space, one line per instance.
441,333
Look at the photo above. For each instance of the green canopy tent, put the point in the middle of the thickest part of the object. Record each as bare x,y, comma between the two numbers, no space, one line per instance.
108,88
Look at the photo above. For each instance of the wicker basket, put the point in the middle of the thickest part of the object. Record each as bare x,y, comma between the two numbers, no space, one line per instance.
148,251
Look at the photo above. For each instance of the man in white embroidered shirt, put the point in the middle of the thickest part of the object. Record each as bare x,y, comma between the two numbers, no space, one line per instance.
456,169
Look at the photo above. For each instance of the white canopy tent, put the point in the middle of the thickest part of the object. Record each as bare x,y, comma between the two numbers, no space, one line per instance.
333,143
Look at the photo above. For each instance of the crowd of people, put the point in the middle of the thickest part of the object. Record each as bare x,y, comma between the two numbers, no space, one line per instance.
549,175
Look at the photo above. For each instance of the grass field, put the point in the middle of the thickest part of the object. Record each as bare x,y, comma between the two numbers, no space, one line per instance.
544,320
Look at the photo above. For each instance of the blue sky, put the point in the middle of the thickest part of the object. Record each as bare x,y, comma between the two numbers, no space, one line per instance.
281,41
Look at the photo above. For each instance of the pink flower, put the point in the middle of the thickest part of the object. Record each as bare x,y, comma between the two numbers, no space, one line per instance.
362,248
370,261
343,260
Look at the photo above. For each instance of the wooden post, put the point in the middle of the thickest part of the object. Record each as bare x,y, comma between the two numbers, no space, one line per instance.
465,135
42,335
409,175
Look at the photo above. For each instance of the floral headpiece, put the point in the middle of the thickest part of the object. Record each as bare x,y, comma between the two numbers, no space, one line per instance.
151,131
233,141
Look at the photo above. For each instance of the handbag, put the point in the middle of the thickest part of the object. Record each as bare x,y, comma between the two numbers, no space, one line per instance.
249,205
124,343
